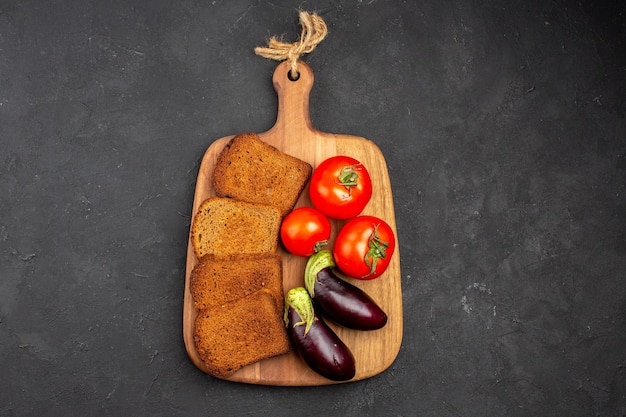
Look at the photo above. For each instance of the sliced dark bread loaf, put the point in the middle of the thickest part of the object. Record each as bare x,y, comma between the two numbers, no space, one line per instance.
234,335
251,170
225,227
218,280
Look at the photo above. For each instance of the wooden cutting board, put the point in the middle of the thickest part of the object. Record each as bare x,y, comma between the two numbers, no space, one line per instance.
295,135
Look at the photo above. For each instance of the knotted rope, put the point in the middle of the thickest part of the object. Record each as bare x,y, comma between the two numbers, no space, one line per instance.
314,30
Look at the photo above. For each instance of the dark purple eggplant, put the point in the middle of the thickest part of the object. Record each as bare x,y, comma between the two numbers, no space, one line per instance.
314,341
338,300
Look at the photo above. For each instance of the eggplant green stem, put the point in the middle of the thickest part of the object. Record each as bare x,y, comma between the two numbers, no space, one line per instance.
317,262
298,298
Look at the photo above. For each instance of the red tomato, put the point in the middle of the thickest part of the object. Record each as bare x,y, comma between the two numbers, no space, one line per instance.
364,247
304,231
340,187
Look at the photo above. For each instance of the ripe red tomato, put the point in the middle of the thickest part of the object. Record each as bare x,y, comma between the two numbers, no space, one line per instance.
304,231
340,187
363,247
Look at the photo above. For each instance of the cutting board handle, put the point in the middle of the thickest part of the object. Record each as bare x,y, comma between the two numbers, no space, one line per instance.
293,100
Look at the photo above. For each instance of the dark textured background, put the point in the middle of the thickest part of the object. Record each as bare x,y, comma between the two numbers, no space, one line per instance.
502,123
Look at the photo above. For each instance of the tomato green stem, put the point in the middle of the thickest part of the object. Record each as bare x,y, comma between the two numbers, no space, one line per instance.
377,250
318,245
348,176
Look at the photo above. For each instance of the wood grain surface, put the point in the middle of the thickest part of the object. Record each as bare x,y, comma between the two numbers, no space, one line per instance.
294,134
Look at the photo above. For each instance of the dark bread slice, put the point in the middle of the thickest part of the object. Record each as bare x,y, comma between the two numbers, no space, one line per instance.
217,280
251,170
226,227
234,335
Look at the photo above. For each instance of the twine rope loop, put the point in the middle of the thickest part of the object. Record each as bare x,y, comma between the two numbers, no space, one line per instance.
314,30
